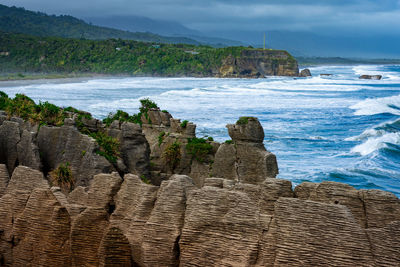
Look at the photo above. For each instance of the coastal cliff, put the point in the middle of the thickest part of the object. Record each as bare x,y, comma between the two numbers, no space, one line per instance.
30,54
143,190
259,63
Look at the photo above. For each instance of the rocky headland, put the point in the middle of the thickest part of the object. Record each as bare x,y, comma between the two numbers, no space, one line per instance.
143,190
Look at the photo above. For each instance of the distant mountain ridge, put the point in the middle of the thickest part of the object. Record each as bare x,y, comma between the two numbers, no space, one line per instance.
19,20
134,23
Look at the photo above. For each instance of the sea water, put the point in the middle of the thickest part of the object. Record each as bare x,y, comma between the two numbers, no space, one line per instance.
336,128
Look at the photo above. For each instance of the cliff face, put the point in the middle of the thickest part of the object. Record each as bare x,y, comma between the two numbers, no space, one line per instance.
221,207
259,63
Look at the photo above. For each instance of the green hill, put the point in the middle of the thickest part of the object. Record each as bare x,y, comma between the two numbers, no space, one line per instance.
19,20
24,53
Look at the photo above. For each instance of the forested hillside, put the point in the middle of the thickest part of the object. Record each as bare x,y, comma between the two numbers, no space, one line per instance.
25,53
19,20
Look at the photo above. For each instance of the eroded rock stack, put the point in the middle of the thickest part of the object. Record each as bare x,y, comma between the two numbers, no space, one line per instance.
223,209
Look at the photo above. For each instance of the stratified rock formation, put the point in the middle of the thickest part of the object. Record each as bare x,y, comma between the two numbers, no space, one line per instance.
163,203
259,63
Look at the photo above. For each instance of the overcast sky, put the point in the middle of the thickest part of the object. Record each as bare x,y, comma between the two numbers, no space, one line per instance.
326,16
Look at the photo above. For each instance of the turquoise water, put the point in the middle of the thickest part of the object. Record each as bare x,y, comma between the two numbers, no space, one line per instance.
336,128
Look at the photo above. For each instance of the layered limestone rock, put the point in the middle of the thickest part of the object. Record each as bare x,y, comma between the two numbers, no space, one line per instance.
3,178
134,147
59,145
46,148
259,63
246,159
223,209
126,222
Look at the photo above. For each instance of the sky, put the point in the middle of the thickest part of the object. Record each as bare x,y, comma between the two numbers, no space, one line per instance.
340,17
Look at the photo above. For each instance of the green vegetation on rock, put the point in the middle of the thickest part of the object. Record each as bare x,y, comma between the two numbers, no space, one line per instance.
24,107
244,120
109,146
172,155
122,116
62,177
49,114
184,123
161,138
199,148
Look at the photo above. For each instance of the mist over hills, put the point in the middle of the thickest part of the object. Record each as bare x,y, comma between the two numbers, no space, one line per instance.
309,44
162,27
19,20
140,28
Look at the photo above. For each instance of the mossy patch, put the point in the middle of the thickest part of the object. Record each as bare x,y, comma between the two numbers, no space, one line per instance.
198,148
184,124
244,120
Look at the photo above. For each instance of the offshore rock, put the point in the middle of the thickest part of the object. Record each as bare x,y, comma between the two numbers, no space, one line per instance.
305,73
371,77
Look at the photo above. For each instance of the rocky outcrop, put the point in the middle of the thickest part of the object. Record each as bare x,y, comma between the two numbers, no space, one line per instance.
305,73
46,148
258,63
225,208
134,147
59,145
371,77
224,223
246,159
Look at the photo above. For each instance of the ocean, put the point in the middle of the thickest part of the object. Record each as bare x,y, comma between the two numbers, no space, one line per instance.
335,128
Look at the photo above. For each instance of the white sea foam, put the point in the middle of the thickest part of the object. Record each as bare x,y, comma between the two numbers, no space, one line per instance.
366,134
375,143
372,106
368,69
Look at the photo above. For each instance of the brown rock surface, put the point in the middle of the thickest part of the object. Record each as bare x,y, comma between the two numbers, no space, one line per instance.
28,151
87,232
308,233
9,138
134,147
225,162
381,208
41,232
160,246
59,145
221,228
3,179
371,208
221,224
246,161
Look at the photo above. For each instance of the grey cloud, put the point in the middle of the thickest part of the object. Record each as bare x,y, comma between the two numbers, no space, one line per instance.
323,15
